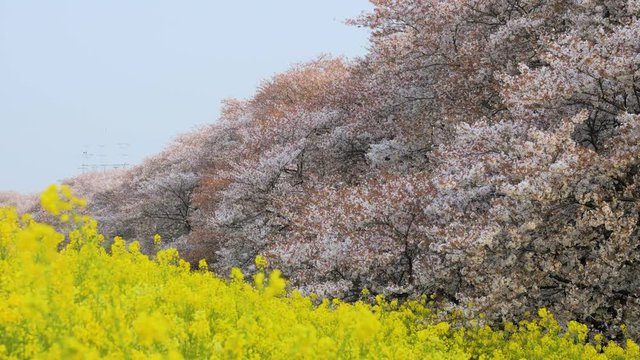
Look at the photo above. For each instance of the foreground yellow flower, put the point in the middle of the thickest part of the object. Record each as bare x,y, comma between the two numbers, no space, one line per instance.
86,302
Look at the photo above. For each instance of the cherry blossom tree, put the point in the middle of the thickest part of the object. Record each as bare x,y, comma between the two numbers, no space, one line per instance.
21,202
483,151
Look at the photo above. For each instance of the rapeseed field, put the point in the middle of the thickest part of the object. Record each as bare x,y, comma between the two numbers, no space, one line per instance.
63,295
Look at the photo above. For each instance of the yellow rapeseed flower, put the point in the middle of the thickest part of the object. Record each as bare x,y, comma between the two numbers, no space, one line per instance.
84,301
261,262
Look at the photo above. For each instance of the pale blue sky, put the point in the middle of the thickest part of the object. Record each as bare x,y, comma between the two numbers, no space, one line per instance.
86,75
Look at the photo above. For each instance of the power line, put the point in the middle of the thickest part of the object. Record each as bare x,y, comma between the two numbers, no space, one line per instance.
95,162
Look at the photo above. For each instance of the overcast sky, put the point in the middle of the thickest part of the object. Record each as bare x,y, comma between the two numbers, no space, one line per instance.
118,79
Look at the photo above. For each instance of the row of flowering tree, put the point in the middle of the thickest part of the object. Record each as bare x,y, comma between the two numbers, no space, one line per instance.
485,151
